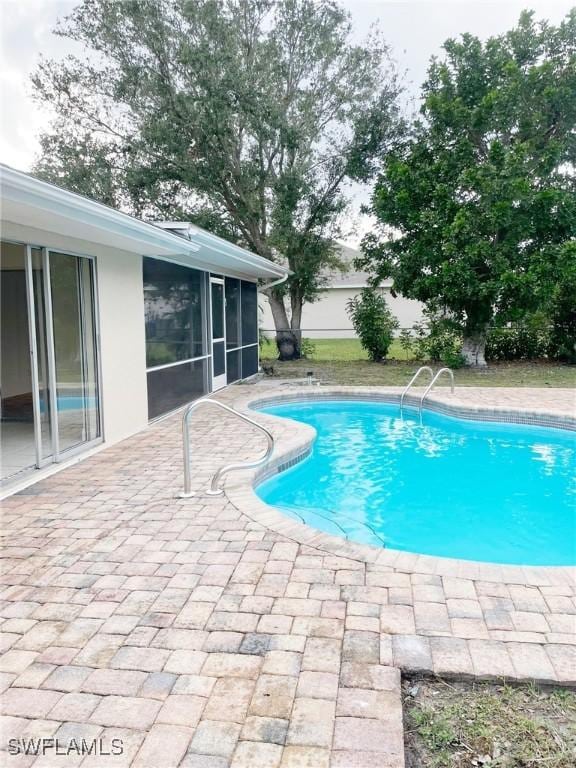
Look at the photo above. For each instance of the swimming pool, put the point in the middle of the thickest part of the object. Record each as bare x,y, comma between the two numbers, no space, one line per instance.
489,491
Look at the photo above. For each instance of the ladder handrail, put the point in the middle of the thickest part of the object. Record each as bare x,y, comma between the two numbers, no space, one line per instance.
412,380
214,490
434,380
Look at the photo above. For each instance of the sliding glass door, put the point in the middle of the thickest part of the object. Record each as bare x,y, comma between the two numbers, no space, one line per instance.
75,366
50,400
19,450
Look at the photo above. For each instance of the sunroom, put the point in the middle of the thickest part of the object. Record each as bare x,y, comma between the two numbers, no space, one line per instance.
109,321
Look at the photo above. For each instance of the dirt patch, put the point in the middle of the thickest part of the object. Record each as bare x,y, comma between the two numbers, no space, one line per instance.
398,373
483,725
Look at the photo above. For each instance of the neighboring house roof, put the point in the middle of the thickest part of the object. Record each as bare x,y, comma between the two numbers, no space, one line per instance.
30,202
352,278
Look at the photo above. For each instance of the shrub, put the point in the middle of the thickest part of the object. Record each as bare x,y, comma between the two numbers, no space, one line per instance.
519,343
307,348
435,340
406,341
563,319
452,358
563,341
373,322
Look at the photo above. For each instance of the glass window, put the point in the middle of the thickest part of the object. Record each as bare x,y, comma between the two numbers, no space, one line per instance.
249,361
74,349
173,312
232,313
249,314
48,312
17,411
169,388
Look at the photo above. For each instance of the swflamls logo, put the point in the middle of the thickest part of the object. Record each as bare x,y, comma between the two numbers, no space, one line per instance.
46,746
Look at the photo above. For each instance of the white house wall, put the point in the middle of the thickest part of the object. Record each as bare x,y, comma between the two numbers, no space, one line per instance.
328,319
120,310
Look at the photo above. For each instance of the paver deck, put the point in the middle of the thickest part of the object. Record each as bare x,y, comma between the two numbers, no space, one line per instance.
209,632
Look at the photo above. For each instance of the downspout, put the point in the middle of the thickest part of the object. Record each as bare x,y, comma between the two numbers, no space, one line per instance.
274,283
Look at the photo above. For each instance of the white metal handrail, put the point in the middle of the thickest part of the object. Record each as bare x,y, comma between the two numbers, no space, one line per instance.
214,489
412,380
434,380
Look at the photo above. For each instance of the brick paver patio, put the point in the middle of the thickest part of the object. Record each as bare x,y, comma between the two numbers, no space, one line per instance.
202,636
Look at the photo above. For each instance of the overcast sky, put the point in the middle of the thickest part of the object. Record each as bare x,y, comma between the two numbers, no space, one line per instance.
415,30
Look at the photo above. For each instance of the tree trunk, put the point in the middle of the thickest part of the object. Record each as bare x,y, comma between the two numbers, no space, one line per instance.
287,340
473,347
296,322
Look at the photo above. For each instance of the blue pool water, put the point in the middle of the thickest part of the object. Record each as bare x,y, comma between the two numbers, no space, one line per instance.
502,493
69,403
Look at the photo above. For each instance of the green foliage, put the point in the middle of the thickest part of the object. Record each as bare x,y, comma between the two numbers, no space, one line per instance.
482,197
453,358
438,340
456,725
435,340
518,343
560,303
437,732
563,334
246,116
159,354
373,322
307,348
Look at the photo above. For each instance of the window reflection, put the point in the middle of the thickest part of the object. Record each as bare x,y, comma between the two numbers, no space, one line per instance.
169,388
249,314
173,312
71,283
249,361
232,313
233,365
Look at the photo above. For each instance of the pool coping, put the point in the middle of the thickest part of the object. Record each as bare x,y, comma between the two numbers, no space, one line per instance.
240,488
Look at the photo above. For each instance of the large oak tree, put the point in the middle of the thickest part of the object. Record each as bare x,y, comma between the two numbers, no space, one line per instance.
249,117
481,200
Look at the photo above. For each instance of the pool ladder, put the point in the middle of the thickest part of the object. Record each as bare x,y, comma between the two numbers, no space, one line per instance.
214,489
433,380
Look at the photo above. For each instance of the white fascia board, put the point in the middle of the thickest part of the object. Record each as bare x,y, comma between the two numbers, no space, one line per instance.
237,254
219,245
18,187
24,190
216,244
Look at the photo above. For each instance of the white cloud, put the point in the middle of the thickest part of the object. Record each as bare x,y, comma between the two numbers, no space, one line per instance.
25,34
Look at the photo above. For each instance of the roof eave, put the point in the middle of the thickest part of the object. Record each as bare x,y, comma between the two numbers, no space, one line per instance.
18,187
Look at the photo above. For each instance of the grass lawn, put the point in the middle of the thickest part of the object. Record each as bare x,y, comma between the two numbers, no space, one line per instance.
482,725
343,361
327,350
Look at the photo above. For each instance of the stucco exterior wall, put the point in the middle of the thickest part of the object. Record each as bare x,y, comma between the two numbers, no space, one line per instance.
120,310
328,319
